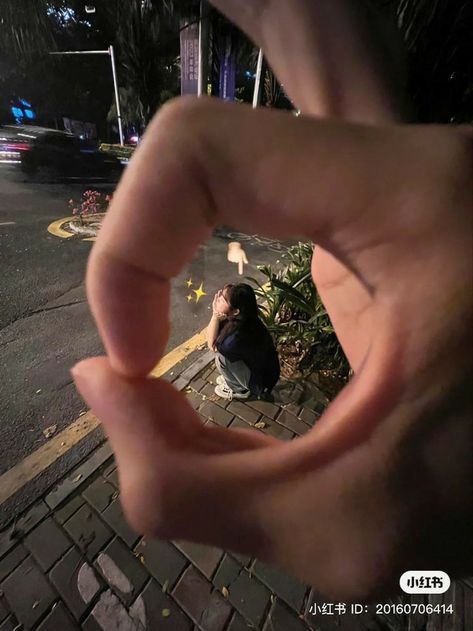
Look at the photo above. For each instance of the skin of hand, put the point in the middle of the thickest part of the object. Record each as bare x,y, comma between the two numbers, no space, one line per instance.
382,483
329,71
220,307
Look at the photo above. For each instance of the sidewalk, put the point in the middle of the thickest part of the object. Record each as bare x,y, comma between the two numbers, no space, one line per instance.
72,562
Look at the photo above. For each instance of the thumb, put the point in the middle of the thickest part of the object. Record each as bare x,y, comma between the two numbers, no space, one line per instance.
140,416
164,456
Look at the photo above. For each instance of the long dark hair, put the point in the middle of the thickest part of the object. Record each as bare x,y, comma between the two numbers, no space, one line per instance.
247,321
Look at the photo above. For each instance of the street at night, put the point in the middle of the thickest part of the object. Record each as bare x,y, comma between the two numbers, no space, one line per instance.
235,315
46,326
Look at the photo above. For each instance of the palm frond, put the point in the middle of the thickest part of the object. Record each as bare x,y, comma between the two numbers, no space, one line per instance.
25,29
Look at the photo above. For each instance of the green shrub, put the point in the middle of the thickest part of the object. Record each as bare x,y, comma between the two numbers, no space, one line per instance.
118,151
294,314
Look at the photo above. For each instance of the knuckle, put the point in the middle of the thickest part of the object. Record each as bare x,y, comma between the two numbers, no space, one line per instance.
181,115
435,191
449,168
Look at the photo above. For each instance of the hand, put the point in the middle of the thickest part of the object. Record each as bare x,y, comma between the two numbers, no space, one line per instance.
215,313
376,485
345,60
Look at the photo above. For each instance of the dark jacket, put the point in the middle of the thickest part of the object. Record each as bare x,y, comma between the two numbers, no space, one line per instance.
258,353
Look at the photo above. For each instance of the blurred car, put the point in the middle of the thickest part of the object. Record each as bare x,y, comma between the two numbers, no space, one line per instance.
47,154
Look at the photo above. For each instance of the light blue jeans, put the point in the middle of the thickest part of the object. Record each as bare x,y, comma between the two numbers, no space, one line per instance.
236,374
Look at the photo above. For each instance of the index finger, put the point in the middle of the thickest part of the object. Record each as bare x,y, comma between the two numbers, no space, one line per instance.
203,163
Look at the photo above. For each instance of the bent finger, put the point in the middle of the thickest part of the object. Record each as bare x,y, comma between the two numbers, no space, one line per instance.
340,58
303,178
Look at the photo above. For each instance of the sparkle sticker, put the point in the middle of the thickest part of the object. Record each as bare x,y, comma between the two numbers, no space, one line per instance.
199,293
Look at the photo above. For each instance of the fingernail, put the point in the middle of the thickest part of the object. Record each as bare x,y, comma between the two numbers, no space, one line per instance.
78,370
82,377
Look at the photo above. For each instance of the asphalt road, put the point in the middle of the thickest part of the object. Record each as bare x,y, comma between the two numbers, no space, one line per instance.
45,324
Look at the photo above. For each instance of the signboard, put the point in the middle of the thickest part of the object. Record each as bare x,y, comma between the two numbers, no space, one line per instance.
189,59
227,70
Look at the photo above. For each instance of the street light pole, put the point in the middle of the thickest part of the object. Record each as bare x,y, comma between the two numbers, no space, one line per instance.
117,97
259,71
203,50
111,54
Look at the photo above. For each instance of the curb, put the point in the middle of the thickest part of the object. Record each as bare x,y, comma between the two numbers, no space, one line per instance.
31,467
55,228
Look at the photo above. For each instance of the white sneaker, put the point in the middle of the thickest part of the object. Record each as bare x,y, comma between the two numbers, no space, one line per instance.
221,381
224,392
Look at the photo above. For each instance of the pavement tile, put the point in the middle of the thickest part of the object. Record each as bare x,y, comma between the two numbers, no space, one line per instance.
206,558
216,413
122,570
4,609
115,518
197,366
76,581
47,543
88,531
238,623
208,391
12,560
180,383
243,559
162,560
192,592
217,613
195,595
308,416
293,408
197,384
238,422
58,620
113,478
210,372
207,422
34,515
265,407
77,477
285,586
110,468
152,602
21,527
319,407
292,423
194,399
281,619
99,494
244,411
68,509
109,615
28,593
274,429
227,572
10,624
212,377
249,597
91,624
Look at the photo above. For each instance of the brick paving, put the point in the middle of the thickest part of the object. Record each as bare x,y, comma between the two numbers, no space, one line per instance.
72,562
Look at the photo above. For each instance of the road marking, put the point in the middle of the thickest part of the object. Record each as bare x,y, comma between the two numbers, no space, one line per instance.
7,223
178,353
34,464
55,228
26,470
